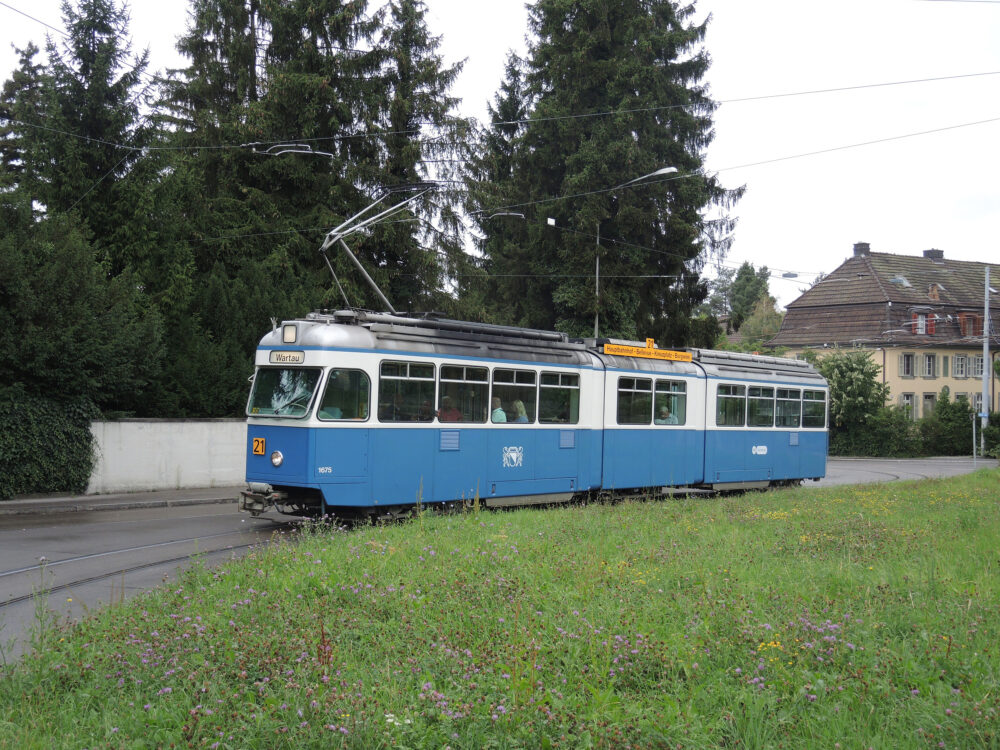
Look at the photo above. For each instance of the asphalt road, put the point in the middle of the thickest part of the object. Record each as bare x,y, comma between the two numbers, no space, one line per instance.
87,552
87,559
865,470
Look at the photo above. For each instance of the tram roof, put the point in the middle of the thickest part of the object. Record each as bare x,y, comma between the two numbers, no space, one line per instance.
429,333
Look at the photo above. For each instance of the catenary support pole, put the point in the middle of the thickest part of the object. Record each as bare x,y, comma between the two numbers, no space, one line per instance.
987,367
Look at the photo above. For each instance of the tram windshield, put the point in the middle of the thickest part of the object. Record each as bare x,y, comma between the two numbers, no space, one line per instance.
282,392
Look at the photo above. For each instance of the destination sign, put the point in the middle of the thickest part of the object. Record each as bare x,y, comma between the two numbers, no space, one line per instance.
287,358
647,352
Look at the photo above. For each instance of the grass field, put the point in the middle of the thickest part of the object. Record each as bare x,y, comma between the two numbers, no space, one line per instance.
865,616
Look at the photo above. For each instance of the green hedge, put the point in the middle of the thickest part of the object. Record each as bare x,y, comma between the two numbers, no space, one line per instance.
891,433
45,446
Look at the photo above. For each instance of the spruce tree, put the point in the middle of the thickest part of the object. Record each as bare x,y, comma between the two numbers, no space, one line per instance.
21,124
505,288
345,96
615,92
421,131
66,330
92,152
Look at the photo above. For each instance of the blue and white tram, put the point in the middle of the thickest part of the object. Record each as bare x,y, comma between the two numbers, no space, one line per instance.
355,413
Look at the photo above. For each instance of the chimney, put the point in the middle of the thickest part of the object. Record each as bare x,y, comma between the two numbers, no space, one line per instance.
934,254
862,248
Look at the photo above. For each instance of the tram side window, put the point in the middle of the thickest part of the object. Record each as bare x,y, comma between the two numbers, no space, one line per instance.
463,393
730,405
635,400
406,392
789,408
813,409
671,402
760,406
514,396
346,395
559,398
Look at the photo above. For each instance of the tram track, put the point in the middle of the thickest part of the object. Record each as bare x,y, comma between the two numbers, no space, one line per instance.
174,560
115,573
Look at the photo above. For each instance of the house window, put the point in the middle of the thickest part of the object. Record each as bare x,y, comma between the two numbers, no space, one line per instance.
976,399
977,366
923,323
929,400
929,369
960,366
907,402
907,367
970,324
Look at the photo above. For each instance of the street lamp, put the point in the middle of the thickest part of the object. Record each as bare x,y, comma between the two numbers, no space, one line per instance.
657,173
597,253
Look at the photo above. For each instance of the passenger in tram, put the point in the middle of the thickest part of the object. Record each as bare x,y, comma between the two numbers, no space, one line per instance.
394,412
522,414
425,413
448,412
665,417
499,415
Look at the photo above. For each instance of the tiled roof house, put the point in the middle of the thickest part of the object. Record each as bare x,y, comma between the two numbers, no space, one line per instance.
921,317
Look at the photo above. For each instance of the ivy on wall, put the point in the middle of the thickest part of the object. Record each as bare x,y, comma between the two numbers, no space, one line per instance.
45,446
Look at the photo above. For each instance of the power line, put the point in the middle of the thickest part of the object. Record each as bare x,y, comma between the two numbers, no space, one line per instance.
679,256
607,113
36,20
761,97
763,162
862,143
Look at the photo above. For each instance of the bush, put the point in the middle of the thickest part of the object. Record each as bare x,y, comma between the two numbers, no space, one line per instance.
45,446
888,432
947,431
860,423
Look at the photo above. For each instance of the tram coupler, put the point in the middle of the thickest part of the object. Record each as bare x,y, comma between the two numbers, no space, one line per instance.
259,498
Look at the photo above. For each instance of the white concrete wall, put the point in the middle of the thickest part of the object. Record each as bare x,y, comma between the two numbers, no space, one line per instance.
159,454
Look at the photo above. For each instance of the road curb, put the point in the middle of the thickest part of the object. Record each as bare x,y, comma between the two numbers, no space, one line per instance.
58,507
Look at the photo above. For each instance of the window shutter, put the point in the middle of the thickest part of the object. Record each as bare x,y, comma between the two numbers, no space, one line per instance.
944,365
930,324
913,324
900,370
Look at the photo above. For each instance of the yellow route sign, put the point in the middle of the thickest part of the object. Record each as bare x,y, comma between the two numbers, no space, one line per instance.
648,352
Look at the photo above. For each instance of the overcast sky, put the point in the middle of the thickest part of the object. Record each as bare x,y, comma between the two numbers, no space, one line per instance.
803,211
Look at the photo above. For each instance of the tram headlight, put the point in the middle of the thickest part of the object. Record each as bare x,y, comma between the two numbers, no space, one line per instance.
277,459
